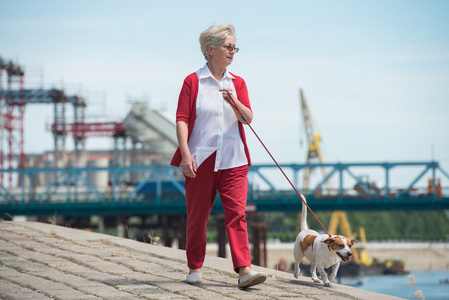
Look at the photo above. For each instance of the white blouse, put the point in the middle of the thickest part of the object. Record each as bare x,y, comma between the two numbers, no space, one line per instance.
216,126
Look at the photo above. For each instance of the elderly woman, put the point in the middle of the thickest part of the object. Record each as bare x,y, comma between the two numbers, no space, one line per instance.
213,153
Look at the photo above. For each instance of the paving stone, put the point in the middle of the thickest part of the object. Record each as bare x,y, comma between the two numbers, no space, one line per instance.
109,293
73,280
201,294
143,277
110,267
108,279
69,295
20,295
42,284
139,289
133,287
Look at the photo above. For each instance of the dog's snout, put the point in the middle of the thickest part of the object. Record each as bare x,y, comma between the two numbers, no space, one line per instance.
350,253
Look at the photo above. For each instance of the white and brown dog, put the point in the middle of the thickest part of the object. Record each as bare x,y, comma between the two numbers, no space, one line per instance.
321,250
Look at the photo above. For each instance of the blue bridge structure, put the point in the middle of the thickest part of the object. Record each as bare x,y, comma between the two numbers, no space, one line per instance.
160,189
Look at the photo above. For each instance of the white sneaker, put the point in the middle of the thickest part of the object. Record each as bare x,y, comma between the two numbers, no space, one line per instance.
194,278
251,279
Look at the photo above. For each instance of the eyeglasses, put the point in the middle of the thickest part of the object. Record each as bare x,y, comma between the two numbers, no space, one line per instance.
230,48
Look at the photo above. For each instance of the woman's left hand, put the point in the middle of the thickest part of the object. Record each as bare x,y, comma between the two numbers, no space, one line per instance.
226,97
238,107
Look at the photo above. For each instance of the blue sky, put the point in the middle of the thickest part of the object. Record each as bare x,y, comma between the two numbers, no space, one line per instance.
375,73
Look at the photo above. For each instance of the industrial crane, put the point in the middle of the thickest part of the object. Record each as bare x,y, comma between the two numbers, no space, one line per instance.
314,156
313,139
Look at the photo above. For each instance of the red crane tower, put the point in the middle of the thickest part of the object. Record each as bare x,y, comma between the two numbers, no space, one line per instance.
12,114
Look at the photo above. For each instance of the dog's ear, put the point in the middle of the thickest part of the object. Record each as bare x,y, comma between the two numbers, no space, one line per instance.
329,241
352,241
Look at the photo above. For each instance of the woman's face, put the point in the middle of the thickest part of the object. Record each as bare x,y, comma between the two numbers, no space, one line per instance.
220,55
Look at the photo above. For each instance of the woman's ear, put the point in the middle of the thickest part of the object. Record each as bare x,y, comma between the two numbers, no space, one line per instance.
210,50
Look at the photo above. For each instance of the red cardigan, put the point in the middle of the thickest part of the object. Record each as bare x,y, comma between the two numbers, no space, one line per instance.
187,109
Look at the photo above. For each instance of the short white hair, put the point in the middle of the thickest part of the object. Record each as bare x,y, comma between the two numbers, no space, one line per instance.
214,36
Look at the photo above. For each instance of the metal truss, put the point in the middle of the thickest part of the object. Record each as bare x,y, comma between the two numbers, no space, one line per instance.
159,189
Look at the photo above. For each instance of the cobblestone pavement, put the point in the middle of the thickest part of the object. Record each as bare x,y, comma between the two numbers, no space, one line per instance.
44,261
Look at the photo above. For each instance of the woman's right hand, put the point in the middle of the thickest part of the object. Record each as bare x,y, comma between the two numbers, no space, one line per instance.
188,166
188,163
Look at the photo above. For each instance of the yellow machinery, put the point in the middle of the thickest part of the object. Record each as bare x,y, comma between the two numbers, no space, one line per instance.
338,217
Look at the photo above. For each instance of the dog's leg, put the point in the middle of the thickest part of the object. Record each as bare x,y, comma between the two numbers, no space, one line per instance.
297,253
323,275
313,272
334,271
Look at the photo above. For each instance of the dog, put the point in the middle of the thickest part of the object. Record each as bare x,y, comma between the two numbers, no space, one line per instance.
322,250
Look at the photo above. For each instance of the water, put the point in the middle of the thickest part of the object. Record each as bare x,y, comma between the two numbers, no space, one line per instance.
396,285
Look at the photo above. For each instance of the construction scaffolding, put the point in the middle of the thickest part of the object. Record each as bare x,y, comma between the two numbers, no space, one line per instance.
152,133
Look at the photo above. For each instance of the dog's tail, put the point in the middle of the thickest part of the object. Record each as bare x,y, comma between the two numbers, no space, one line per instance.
304,215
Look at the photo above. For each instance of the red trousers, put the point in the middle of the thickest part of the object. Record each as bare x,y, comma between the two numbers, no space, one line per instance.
232,186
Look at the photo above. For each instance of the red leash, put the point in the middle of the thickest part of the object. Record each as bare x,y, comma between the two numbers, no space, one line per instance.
300,195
